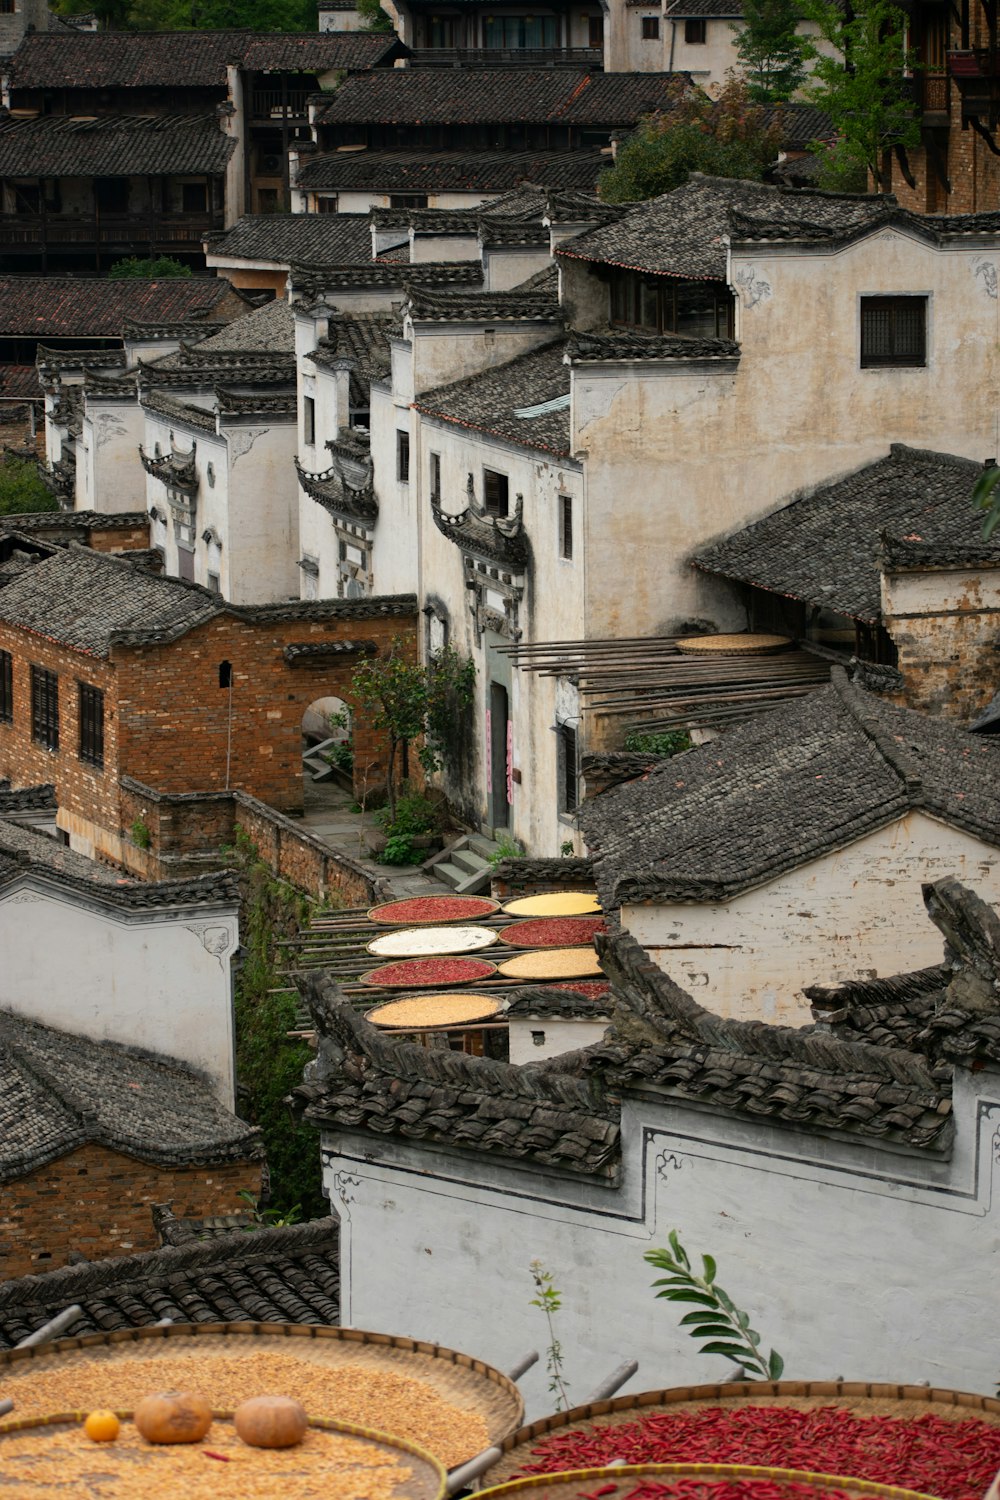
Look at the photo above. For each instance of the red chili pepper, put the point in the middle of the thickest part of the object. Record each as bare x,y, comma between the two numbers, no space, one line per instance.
223,1459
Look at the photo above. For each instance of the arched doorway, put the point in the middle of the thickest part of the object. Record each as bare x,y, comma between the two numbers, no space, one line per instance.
328,741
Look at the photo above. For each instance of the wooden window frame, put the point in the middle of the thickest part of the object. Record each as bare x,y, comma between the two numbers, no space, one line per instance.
650,28
6,688
566,527
568,759
402,455
45,707
899,358
435,475
496,493
695,31
91,723
309,421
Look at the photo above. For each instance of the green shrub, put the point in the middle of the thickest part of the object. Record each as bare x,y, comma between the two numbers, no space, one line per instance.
399,850
667,742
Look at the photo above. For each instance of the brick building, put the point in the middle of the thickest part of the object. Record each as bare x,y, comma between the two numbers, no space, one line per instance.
107,670
93,1134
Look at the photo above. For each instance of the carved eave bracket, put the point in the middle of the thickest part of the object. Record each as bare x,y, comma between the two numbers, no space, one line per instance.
333,490
496,557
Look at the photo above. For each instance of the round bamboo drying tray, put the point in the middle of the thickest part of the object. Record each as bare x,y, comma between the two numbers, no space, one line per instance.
862,1398
733,645
417,973
438,909
552,963
420,1011
131,1469
618,1482
425,942
553,932
474,1389
554,904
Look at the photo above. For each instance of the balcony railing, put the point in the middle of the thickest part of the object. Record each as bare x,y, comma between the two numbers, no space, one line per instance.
929,90
109,229
507,57
977,76
279,104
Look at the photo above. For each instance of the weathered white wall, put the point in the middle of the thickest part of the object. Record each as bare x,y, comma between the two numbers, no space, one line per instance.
560,1033
112,478
435,248
854,914
157,979
397,564
856,1260
260,523
507,266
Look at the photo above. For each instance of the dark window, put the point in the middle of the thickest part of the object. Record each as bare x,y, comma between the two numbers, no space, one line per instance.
194,199
565,525
650,28
225,674
45,707
327,205
6,7
215,583
111,195
91,724
308,420
407,200
893,331
595,28
435,476
660,304
568,790
403,457
6,688
495,492
696,31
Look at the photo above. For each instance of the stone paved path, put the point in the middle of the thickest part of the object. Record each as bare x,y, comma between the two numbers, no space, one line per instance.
328,816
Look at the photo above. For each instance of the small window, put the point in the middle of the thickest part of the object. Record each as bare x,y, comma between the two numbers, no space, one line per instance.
407,200
6,688
225,674
650,28
696,31
495,493
893,332
6,7
308,420
565,525
327,205
568,770
91,724
215,583
595,30
435,476
185,564
403,456
194,198
45,708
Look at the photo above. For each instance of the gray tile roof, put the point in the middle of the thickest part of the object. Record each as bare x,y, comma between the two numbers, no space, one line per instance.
363,339
810,777
425,304
259,1276
59,1091
622,343
825,548
313,283
25,846
681,233
938,229
113,146
27,798
730,10
100,307
504,402
314,239
83,598
546,1001
451,171
269,329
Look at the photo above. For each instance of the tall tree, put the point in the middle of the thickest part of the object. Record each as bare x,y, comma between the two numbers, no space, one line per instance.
770,50
862,85
730,137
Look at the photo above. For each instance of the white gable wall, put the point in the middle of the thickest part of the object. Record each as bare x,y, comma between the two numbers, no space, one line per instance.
857,913
157,980
110,476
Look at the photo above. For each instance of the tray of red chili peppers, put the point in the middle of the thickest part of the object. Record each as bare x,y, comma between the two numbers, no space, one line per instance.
936,1442
695,1482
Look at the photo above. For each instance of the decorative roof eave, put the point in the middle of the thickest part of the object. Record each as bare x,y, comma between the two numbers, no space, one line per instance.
329,490
60,480
177,471
668,348
304,653
493,538
749,234
493,432
627,265
274,408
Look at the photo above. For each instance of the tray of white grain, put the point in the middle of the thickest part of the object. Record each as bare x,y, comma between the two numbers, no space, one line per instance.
425,942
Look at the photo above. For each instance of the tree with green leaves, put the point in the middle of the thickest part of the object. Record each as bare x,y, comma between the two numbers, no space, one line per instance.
152,268
729,137
770,50
411,703
715,1321
22,492
862,86
374,16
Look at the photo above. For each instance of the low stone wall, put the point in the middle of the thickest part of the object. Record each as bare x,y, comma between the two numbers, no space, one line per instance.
189,832
531,877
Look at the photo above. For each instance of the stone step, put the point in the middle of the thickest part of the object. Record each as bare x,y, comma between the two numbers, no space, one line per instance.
449,874
483,846
469,859
319,770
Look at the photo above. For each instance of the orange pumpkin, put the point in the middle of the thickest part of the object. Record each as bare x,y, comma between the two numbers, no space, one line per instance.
101,1426
271,1422
173,1417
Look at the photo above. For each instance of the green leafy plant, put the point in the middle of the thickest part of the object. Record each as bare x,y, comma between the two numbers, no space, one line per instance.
771,53
985,497
150,268
859,80
399,850
273,1218
566,849
667,742
141,835
730,137
341,755
22,492
375,18
507,848
716,1317
549,1299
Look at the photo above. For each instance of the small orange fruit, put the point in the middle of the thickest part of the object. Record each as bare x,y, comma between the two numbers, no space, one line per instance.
101,1426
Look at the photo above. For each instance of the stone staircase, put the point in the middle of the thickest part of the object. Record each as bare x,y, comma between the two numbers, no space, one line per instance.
464,866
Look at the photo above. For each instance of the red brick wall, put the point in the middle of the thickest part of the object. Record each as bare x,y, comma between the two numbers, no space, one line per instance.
118,538
97,1202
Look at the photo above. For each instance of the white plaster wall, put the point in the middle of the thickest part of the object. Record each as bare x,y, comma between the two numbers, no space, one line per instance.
444,353
854,914
677,456
359,201
507,267
940,592
158,980
396,552
261,536
341,20
856,1260
113,477
561,1034
435,248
